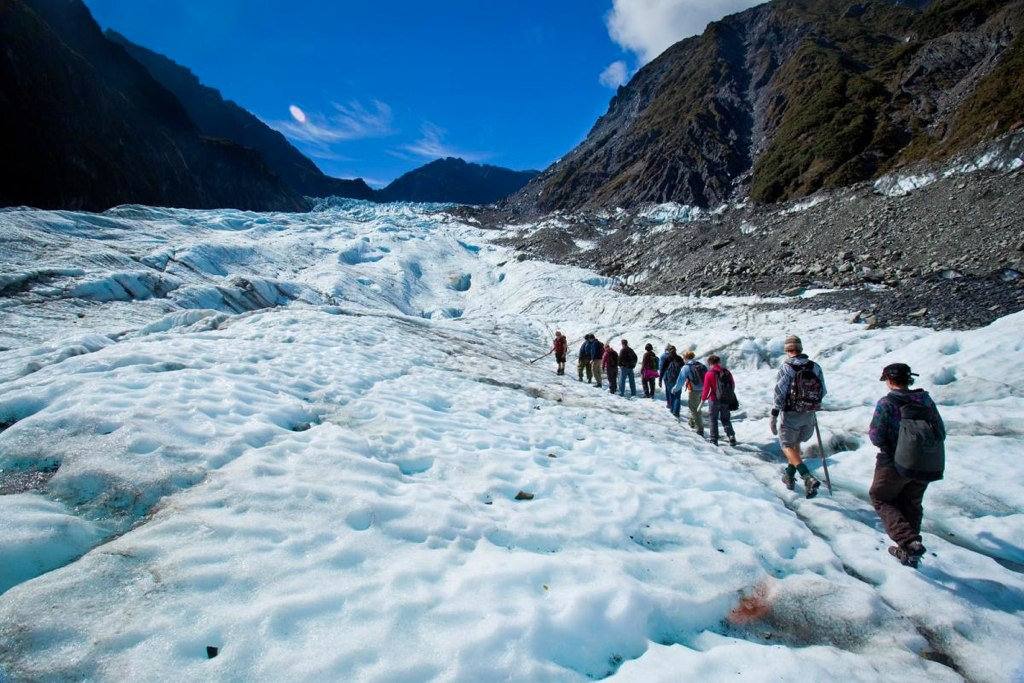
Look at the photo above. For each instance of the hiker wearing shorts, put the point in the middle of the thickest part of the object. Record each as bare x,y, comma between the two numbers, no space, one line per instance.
799,390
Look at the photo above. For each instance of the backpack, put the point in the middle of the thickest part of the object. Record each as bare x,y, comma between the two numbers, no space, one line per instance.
920,448
699,370
726,390
806,390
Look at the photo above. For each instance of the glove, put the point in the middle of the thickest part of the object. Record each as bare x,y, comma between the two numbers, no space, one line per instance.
775,422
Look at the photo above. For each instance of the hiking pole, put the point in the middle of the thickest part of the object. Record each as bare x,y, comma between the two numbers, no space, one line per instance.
821,450
540,357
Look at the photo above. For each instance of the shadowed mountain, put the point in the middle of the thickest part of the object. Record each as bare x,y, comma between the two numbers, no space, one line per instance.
455,180
87,127
222,118
794,96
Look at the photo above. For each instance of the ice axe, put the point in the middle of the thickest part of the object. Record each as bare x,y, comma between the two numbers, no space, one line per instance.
824,462
541,357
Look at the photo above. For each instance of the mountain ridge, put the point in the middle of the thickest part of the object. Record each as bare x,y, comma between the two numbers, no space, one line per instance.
87,127
790,97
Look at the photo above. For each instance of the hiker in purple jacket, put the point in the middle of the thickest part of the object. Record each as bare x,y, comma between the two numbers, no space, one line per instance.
898,498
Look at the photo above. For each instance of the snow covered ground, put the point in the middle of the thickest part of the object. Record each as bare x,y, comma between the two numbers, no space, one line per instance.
301,438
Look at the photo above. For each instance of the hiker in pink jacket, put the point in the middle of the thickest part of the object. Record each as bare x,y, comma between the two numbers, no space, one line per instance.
718,387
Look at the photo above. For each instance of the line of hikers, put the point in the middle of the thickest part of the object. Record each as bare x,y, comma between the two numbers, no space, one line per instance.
906,426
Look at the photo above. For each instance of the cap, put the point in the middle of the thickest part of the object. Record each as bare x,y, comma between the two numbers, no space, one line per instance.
793,343
897,372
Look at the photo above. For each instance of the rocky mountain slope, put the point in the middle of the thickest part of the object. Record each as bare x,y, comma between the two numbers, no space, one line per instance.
940,246
455,180
85,126
795,96
225,119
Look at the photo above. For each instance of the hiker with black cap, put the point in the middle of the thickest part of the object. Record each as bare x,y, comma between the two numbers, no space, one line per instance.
910,436
799,390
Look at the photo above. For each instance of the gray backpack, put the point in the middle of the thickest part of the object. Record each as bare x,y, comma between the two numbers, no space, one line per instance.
920,447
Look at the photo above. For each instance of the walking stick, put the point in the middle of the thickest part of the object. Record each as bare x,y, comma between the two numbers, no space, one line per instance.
540,357
821,450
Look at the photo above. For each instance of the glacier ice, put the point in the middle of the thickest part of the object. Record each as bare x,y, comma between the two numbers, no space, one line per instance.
300,454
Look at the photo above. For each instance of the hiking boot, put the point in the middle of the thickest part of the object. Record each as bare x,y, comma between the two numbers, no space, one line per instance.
788,480
916,548
905,557
732,440
713,442
811,486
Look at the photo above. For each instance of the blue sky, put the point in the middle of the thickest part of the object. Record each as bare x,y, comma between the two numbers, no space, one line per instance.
375,88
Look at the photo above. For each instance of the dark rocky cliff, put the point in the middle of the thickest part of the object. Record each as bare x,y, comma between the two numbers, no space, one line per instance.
794,96
85,126
225,119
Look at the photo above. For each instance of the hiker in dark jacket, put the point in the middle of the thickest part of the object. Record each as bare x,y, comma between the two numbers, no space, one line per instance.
661,365
797,396
897,498
627,365
610,363
649,371
560,347
583,359
597,354
718,410
670,370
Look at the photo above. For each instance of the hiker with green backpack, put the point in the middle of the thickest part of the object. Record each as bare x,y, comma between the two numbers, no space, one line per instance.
720,394
910,435
799,391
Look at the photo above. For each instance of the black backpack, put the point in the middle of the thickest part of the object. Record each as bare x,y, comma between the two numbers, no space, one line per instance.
806,390
726,390
699,369
920,446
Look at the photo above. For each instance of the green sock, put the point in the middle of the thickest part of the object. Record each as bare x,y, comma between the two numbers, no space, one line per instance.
802,469
790,470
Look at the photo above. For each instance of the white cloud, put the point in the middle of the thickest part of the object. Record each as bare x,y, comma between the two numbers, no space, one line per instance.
432,145
353,121
647,27
614,75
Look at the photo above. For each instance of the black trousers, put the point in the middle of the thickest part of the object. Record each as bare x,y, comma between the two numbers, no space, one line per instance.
898,502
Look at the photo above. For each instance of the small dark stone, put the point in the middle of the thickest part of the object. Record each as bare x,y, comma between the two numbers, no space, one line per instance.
524,495
212,651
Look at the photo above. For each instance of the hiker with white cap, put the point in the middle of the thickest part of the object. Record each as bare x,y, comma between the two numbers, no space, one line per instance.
799,390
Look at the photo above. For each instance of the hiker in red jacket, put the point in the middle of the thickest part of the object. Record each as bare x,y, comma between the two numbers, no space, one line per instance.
560,348
719,392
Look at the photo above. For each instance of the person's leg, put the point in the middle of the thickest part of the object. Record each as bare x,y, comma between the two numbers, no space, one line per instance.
885,491
910,504
632,382
725,415
613,379
696,420
622,382
713,419
596,364
677,403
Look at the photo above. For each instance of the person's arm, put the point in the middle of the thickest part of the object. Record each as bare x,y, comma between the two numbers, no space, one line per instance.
881,427
821,378
680,384
710,385
782,383
938,418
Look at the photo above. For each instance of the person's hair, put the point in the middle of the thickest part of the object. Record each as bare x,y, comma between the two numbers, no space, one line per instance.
714,360
903,382
649,347
625,343
689,355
